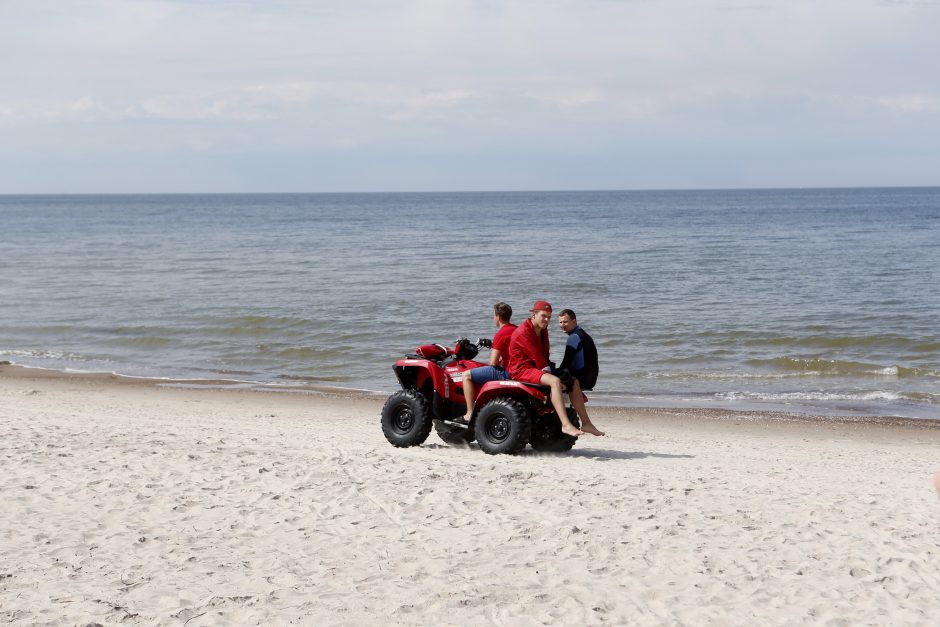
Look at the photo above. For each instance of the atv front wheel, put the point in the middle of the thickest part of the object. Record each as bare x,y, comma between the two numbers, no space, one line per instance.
503,426
406,420
453,434
548,437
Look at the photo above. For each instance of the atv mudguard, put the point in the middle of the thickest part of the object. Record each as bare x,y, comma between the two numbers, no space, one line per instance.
427,377
536,395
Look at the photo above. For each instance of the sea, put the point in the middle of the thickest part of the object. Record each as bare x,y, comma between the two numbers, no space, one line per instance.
815,301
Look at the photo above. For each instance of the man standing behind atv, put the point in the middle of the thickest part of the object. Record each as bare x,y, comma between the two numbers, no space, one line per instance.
528,362
580,352
498,370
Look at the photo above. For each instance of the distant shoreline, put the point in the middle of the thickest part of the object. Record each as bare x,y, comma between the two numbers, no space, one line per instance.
14,371
18,371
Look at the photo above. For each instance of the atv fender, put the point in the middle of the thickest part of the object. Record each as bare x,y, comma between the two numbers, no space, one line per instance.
535,394
415,374
429,378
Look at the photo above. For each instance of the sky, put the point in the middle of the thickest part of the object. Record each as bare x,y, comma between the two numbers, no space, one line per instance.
153,96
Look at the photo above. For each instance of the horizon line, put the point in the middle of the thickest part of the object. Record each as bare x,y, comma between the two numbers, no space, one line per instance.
482,191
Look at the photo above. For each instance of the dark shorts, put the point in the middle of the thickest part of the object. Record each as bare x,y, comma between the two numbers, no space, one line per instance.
484,374
567,380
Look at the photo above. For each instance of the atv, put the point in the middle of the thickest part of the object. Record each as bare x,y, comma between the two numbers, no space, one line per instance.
507,415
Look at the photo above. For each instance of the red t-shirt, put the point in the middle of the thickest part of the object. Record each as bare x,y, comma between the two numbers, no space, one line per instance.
528,352
501,343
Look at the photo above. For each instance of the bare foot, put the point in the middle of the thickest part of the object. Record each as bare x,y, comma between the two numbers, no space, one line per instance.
590,428
571,430
936,481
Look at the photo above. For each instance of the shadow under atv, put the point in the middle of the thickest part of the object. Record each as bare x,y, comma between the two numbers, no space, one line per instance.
590,453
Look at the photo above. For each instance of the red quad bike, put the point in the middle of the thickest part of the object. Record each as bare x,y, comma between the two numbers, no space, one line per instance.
507,414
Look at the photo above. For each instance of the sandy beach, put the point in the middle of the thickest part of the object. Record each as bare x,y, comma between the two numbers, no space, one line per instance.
126,502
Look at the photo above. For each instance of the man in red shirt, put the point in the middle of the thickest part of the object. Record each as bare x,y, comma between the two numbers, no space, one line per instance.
528,362
498,370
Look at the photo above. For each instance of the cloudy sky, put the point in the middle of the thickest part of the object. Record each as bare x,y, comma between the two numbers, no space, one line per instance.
397,95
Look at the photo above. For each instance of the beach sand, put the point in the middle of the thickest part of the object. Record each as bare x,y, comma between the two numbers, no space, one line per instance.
128,502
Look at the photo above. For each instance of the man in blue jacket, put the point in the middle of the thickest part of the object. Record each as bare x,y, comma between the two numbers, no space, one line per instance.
580,352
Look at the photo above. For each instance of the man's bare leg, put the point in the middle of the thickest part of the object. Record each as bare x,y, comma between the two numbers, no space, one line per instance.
469,393
577,399
936,481
558,402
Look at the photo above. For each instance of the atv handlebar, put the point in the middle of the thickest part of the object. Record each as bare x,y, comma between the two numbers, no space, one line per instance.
466,349
481,342
463,349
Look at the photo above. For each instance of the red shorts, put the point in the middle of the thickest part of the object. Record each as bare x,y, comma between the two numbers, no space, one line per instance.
529,375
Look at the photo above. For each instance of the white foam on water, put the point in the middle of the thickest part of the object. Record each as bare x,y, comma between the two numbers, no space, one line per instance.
879,395
42,354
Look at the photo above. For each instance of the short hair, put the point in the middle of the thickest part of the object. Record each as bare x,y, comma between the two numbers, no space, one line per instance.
569,313
502,311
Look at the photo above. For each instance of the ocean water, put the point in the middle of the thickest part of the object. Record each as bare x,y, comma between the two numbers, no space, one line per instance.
822,301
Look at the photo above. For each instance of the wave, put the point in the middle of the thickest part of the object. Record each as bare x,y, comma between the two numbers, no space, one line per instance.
309,353
247,325
813,366
142,340
821,341
46,329
716,375
888,340
313,379
870,395
43,354
278,322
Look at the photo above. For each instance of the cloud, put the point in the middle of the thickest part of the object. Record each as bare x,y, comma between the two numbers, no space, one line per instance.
909,103
567,98
425,104
450,81
250,103
74,110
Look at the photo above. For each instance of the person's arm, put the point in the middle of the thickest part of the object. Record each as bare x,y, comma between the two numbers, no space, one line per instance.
571,349
499,351
495,356
519,359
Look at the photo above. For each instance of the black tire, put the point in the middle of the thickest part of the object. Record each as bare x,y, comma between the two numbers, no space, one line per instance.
503,426
547,436
453,434
406,419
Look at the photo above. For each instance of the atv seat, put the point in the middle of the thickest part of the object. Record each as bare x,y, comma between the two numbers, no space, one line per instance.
545,389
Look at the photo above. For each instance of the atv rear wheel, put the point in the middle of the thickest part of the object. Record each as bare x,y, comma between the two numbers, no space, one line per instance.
503,426
406,420
548,437
453,434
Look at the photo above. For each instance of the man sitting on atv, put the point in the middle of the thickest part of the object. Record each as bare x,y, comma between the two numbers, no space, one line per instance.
528,362
499,357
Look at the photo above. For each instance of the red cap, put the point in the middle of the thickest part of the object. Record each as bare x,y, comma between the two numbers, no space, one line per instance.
541,305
